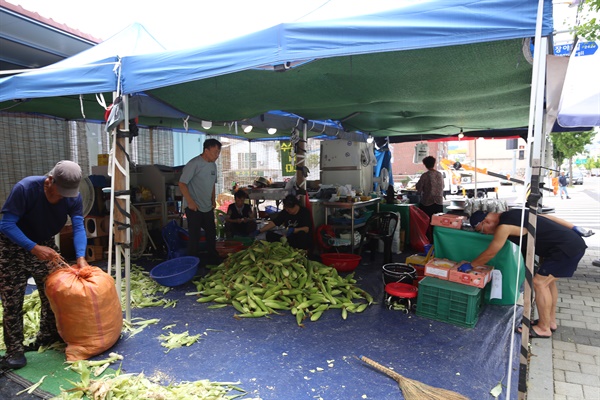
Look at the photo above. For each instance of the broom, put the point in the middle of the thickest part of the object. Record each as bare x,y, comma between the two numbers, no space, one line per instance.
415,390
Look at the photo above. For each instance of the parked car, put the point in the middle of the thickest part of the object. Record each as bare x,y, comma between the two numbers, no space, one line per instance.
577,178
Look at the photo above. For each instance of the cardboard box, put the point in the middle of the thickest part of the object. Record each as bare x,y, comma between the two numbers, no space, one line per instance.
102,159
417,261
448,220
478,276
439,268
100,170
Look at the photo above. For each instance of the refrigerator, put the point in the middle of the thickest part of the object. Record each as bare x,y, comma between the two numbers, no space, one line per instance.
345,162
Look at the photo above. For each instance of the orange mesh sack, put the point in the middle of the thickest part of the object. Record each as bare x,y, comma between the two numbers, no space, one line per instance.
87,309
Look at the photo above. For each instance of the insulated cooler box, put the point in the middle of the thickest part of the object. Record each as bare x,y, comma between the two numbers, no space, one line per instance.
447,220
439,268
478,276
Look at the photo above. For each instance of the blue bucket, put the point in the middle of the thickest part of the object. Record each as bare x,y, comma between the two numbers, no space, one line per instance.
271,210
176,271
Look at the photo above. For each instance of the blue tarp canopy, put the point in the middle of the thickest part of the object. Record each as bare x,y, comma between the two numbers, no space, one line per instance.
425,68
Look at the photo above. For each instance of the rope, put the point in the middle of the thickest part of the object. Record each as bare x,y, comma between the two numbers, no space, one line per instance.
81,106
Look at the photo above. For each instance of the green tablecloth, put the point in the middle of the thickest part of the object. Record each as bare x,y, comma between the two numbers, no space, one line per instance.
458,245
404,210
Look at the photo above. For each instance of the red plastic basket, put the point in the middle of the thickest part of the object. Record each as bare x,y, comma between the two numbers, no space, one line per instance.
343,262
227,247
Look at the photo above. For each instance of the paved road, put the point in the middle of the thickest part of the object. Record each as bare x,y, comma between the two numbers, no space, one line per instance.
568,366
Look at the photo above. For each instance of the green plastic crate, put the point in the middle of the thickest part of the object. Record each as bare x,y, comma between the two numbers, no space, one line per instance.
449,302
245,240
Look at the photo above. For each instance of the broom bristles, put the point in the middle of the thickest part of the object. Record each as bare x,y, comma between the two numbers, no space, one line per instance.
412,389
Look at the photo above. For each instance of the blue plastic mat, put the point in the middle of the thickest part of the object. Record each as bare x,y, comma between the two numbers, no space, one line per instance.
274,358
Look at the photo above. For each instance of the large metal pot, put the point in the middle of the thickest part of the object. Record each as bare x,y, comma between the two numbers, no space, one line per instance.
261,182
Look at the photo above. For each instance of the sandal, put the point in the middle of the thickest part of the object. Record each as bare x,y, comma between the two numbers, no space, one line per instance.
534,335
536,321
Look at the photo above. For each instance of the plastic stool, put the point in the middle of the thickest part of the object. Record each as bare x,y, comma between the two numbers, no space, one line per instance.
400,292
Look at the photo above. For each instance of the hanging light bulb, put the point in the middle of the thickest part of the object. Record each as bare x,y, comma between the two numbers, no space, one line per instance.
370,138
272,131
461,134
206,124
247,128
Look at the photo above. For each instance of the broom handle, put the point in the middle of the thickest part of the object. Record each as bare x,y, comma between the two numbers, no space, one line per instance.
396,376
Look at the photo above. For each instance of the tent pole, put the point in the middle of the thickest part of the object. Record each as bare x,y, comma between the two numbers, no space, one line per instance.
122,219
300,159
475,172
112,200
128,231
532,193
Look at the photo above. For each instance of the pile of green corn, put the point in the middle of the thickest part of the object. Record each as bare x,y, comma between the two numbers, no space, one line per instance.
269,277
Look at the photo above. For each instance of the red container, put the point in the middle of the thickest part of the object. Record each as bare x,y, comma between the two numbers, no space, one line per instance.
228,247
478,276
447,220
343,262
416,281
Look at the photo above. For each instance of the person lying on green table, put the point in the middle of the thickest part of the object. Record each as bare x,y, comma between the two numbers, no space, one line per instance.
559,245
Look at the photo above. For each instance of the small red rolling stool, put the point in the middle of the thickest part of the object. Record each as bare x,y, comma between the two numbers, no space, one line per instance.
403,293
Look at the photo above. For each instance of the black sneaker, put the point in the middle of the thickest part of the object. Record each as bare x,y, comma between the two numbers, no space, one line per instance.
13,362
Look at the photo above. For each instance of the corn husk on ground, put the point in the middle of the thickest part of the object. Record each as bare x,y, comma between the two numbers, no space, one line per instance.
118,385
268,278
412,389
145,291
31,318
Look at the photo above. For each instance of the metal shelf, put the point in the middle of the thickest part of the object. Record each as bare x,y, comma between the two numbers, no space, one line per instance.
351,206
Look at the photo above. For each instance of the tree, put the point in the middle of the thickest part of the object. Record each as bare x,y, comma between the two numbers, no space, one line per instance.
568,144
593,165
589,25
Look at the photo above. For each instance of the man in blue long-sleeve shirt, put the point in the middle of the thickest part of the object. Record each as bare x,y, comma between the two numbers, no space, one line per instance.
34,212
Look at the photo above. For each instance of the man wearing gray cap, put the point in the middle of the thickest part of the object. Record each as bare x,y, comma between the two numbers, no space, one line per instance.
559,245
34,212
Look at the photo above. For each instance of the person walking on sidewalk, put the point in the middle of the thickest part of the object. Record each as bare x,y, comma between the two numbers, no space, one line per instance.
559,245
563,182
554,184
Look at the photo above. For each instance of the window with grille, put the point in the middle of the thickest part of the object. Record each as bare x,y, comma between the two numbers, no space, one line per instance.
247,160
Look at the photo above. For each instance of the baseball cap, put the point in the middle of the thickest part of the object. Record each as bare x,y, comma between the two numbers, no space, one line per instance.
476,218
67,176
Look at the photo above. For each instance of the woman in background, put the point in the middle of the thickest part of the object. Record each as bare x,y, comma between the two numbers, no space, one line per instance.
239,220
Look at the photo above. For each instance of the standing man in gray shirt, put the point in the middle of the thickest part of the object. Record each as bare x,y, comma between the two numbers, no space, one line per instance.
197,185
